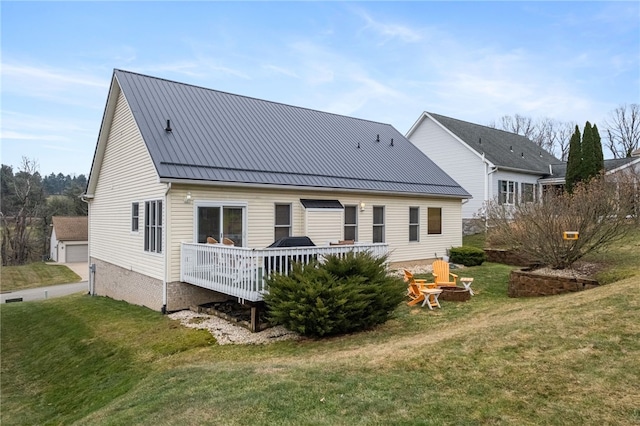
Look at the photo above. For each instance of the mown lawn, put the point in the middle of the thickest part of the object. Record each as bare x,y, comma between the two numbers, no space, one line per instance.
569,359
37,274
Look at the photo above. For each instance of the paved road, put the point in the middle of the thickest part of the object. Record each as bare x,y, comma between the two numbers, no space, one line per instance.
46,292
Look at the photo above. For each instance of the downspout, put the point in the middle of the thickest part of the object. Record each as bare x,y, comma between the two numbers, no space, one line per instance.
166,250
92,267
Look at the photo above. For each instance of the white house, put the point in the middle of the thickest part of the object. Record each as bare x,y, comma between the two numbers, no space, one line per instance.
69,239
486,162
176,163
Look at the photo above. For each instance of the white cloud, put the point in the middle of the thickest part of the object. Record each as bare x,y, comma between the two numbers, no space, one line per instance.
280,70
390,31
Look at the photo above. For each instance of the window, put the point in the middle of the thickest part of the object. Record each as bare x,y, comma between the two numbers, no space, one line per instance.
529,191
135,217
434,220
378,224
507,192
414,224
351,223
220,221
153,226
283,221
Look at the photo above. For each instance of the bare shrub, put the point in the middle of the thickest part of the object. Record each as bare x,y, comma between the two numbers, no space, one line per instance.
600,210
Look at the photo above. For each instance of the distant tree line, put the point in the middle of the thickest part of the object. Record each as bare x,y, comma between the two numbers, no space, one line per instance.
621,129
28,202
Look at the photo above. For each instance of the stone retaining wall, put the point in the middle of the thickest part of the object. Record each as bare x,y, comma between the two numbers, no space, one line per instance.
528,284
507,257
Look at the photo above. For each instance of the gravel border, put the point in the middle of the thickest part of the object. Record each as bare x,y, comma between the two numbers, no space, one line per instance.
227,333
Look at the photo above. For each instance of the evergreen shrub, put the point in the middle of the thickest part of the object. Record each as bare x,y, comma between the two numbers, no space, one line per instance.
342,295
467,255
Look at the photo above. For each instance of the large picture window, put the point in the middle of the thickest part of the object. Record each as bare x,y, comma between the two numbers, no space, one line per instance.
351,223
414,224
283,221
378,224
434,220
153,226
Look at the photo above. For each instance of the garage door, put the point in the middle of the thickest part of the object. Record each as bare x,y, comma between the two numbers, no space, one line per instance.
79,253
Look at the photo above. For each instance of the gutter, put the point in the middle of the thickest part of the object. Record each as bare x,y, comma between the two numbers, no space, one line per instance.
165,251
92,267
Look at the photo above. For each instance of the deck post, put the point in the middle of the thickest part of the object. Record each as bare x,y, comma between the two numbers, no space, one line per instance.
255,317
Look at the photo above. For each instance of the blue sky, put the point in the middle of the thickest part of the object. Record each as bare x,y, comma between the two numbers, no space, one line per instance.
387,62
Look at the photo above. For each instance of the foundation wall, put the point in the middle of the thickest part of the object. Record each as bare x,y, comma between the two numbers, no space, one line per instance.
527,284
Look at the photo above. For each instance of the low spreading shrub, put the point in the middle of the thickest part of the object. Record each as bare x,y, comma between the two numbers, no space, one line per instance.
467,255
341,295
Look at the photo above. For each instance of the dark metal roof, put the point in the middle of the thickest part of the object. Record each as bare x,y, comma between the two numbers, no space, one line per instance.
502,148
217,136
321,204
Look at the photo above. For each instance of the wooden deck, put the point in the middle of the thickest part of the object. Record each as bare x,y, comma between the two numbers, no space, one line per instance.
241,271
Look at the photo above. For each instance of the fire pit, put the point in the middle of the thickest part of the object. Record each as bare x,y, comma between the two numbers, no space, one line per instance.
455,294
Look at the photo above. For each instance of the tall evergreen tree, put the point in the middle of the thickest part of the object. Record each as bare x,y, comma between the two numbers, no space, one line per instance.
588,167
574,161
597,144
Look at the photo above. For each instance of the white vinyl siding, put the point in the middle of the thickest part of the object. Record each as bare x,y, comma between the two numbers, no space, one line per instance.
126,174
456,159
261,218
323,225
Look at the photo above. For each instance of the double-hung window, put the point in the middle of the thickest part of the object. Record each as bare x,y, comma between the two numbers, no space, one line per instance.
378,224
351,223
135,217
507,192
529,192
414,224
153,226
282,221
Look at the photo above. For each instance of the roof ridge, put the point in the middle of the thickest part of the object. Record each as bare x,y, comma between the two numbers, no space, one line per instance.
249,97
480,125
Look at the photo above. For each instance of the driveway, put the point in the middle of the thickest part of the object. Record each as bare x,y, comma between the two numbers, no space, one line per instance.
44,292
39,293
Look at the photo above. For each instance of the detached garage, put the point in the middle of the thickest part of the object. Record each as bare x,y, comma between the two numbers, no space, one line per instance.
69,239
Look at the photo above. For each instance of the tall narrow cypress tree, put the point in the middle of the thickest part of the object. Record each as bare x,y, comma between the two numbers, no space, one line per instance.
574,161
597,144
588,168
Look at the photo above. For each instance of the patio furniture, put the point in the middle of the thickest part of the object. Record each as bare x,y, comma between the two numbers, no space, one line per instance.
431,297
441,274
228,242
467,283
415,294
211,240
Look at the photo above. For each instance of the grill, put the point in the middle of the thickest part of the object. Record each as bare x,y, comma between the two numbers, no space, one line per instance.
273,263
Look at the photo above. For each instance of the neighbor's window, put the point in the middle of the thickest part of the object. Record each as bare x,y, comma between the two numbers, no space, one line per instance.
153,226
414,223
378,224
351,223
507,192
434,220
283,221
529,192
135,217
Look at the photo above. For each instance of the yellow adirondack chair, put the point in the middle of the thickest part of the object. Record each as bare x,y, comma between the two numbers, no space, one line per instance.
414,294
441,274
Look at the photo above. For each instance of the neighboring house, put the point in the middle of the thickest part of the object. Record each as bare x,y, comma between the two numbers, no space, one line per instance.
176,163
487,162
69,239
613,167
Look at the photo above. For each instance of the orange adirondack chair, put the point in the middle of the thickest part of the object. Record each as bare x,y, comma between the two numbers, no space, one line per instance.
414,294
441,274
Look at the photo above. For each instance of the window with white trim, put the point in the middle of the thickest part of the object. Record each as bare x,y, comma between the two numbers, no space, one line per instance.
153,226
507,192
378,224
414,224
282,221
351,223
135,217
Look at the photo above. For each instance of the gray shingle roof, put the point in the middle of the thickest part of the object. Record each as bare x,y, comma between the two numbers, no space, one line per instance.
502,148
217,136
560,170
71,228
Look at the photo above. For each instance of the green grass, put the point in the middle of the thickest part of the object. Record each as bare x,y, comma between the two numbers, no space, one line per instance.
37,274
568,359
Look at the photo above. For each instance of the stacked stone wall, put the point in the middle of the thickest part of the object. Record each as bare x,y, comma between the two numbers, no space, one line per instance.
528,284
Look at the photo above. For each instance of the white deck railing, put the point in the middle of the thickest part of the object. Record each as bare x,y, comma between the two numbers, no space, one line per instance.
241,271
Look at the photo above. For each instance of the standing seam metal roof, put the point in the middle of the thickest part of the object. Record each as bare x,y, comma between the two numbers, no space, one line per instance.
217,136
